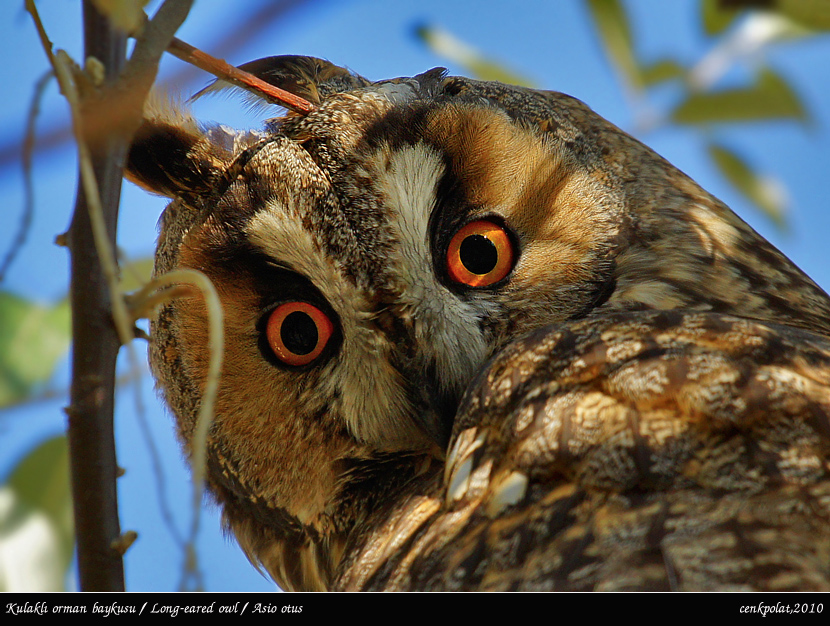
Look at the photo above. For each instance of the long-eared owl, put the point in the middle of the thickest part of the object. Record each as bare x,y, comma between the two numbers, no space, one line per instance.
479,338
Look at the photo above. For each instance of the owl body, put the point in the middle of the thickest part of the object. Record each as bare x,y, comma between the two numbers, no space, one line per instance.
477,337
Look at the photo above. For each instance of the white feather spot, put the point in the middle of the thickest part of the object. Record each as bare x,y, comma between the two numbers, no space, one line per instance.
506,491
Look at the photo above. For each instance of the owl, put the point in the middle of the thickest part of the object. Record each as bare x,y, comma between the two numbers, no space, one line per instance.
479,338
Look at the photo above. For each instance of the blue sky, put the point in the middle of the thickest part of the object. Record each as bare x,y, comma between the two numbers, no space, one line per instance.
551,43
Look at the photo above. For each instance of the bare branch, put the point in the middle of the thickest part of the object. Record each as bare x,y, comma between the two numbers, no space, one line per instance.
95,348
239,78
29,188
104,117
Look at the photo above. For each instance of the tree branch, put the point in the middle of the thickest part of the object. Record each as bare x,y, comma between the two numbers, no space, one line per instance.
95,347
109,117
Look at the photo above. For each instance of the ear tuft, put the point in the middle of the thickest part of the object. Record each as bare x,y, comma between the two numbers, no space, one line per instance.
171,155
307,77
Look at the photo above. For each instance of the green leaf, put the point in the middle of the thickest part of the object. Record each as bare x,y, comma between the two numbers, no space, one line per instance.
36,533
41,481
128,15
613,27
764,192
135,274
812,14
450,47
32,339
769,98
716,18
662,71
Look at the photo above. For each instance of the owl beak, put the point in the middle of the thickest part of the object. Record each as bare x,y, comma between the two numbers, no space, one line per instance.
437,417
432,405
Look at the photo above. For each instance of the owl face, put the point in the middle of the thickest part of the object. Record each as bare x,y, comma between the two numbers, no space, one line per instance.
372,255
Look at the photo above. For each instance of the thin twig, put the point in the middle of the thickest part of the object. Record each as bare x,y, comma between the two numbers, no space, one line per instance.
123,323
144,424
250,28
160,290
95,347
63,65
216,345
52,393
97,303
28,184
239,78
158,471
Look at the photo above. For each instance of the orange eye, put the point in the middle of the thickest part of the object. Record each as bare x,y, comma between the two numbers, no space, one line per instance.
480,254
297,332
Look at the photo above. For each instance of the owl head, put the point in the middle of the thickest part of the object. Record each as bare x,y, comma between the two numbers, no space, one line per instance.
372,255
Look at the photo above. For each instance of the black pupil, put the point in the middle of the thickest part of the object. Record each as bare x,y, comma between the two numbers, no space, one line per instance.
478,254
299,333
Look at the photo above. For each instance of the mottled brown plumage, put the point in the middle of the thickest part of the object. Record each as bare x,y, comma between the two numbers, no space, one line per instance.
659,450
640,401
